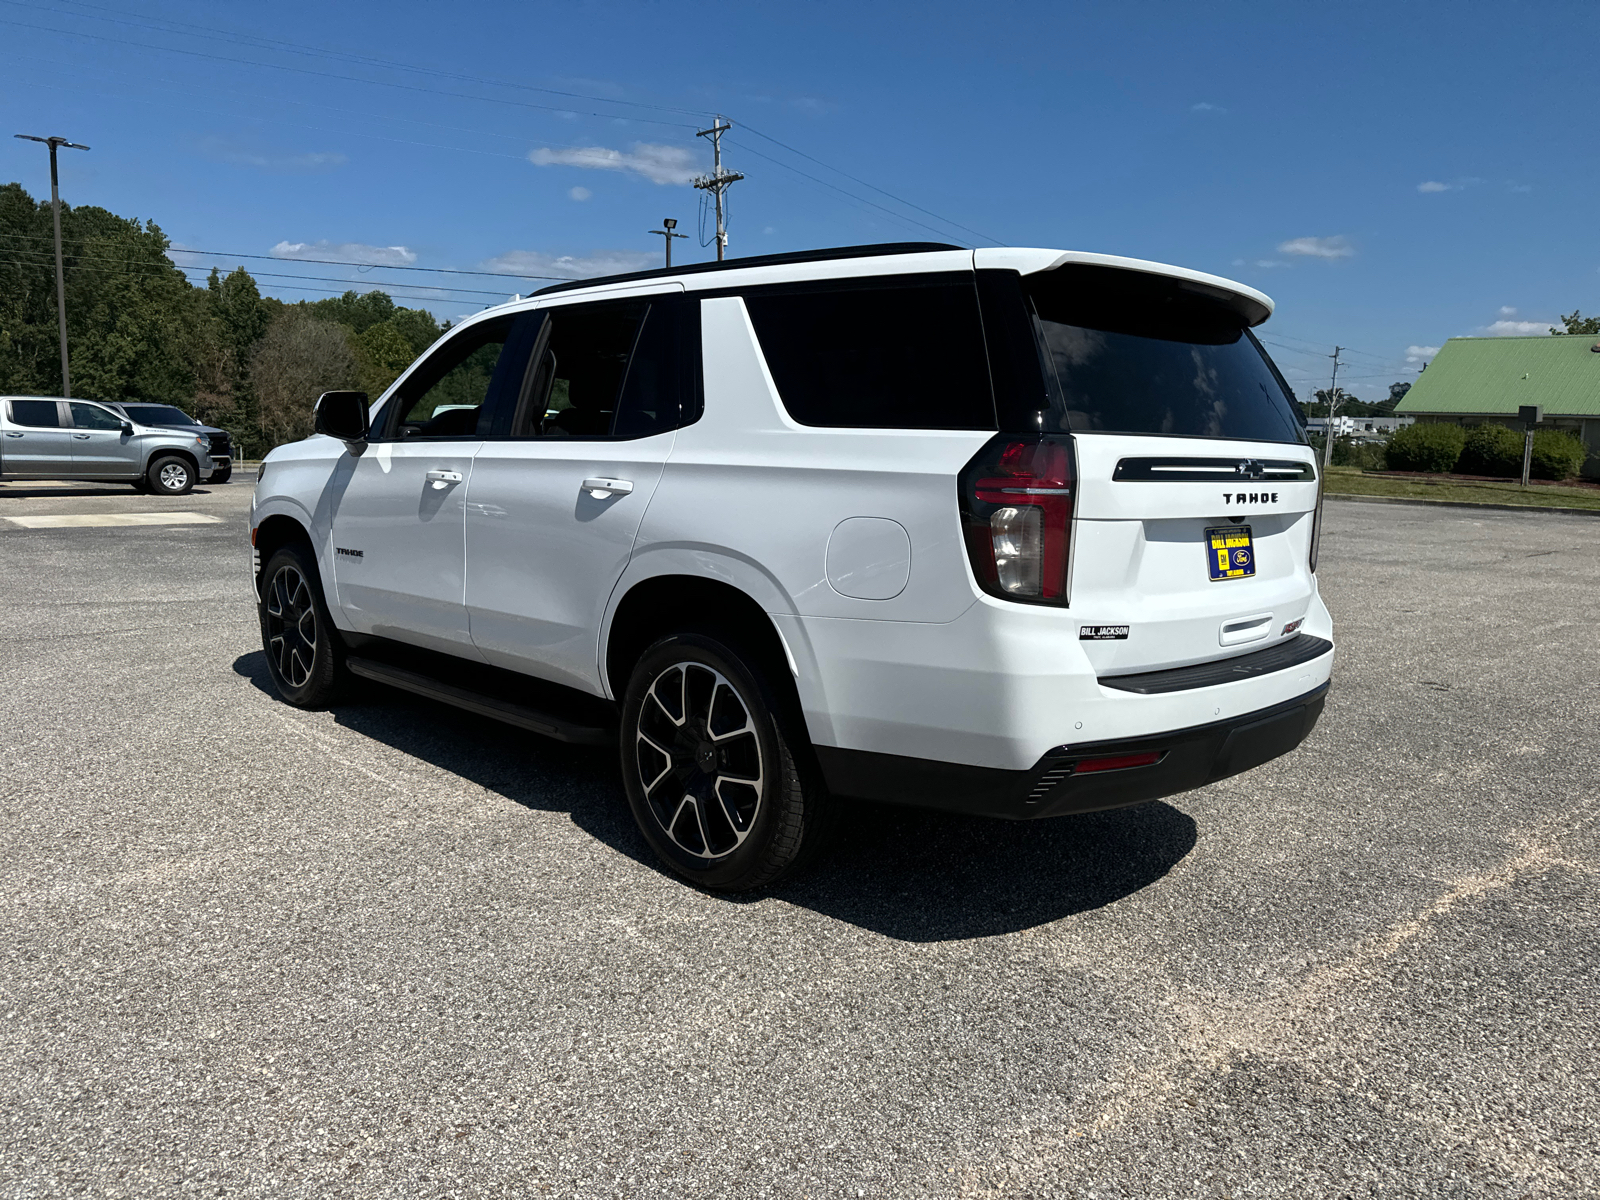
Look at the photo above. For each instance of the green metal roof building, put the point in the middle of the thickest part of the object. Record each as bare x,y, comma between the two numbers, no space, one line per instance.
1473,381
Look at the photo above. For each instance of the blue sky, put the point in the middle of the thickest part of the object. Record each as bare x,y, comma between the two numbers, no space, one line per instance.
1391,174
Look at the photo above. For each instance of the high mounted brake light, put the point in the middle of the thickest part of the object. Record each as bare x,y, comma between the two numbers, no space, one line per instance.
1016,512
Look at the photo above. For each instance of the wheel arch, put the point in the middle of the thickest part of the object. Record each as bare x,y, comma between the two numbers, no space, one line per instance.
161,452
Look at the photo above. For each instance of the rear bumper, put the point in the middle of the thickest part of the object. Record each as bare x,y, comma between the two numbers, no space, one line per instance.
1053,787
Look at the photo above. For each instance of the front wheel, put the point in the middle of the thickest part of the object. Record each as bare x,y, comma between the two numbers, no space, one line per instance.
171,476
304,655
221,476
709,760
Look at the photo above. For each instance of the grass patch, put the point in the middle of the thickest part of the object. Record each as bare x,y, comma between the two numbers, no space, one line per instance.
1352,481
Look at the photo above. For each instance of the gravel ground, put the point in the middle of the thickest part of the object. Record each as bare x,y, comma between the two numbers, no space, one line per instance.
393,950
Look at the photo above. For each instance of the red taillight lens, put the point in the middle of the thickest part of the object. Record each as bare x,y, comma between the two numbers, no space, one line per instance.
1117,762
1016,510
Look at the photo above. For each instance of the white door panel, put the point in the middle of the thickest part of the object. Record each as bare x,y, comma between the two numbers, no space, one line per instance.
399,543
544,552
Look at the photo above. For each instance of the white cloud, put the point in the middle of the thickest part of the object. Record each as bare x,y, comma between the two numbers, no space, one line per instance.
1204,107
1317,247
658,164
580,193
567,266
246,154
1507,311
358,252
1433,185
1517,328
1416,354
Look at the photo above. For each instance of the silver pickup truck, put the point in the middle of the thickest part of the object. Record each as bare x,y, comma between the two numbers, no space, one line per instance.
44,437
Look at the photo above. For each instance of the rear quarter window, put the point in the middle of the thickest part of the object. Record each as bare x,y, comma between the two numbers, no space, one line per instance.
900,352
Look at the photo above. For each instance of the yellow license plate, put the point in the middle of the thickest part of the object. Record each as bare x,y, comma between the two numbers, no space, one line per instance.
1231,553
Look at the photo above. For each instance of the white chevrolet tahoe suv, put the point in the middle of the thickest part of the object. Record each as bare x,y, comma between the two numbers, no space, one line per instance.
1010,532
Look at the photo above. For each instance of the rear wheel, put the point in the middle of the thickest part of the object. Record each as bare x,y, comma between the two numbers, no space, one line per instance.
709,759
304,655
221,476
171,476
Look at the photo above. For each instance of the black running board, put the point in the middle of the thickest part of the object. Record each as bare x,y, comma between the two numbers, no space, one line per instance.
520,715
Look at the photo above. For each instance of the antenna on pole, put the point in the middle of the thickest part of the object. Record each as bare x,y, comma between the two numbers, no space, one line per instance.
668,224
718,181
61,282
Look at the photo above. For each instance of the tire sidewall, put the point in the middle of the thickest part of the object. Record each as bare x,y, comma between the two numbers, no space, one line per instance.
762,706
319,687
160,465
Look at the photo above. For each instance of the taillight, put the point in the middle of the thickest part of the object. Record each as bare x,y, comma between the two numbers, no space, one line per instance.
1316,527
1016,511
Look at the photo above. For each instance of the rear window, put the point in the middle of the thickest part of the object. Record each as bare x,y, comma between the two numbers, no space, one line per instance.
158,414
36,414
1127,352
900,352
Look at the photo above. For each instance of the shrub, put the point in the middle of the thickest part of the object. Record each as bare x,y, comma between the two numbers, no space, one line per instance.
1556,455
1492,450
1430,447
1366,455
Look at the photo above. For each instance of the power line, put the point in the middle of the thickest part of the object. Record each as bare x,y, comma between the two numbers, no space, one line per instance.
213,33
873,186
331,262
264,43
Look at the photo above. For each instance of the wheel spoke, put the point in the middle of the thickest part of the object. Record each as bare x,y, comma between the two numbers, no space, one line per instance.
698,754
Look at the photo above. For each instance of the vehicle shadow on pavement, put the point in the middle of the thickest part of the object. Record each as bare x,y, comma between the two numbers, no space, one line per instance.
911,874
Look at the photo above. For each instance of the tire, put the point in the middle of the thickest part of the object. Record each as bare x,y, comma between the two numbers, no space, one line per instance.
716,765
221,476
304,654
170,475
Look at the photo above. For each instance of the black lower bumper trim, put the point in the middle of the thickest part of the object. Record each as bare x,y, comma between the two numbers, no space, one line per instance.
1298,650
1190,758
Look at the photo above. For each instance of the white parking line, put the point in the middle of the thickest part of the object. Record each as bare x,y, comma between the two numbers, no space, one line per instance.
82,520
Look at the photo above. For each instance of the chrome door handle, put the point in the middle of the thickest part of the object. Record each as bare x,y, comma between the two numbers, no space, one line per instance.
80,437
10,434
442,479
601,488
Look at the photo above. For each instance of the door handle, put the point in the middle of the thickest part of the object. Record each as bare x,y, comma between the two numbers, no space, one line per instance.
601,488
10,434
80,437
443,479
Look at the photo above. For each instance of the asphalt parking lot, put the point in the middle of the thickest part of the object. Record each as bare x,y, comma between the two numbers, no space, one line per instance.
394,950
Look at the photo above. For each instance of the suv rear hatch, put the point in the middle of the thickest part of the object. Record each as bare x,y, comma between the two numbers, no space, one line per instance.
1193,491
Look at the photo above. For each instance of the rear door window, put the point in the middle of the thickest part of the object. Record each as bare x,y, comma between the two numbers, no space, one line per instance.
896,352
1128,352
613,369
36,414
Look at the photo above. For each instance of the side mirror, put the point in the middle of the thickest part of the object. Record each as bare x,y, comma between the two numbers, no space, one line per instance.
127,429
342,415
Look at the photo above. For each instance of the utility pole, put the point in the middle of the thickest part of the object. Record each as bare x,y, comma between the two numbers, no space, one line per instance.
1333,400
61,279
717,182
668,225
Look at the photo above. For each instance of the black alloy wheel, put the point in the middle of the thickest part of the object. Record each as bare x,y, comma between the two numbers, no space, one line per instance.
699,760
709,761
304,656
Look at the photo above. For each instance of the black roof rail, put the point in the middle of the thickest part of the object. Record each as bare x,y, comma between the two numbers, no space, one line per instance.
759,260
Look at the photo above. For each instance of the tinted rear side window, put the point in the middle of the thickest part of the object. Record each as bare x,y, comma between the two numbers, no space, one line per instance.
37,414
899,353
1127,352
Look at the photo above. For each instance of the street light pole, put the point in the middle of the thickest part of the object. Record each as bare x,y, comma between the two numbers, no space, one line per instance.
61,279
668,225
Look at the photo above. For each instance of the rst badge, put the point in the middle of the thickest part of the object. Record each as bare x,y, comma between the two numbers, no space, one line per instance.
1102,633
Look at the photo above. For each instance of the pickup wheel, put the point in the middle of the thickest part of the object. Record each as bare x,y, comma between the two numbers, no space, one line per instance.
709,760
170,476
304,654
221,476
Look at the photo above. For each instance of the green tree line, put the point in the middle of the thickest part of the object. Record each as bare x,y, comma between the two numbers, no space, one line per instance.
137,329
